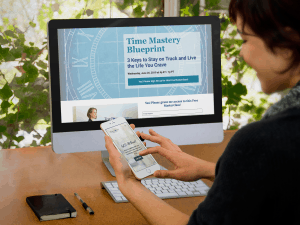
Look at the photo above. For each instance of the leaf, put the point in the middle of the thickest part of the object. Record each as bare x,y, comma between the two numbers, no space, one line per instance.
78,16
31,44
138,11
16,52
47,137
89,12
10,33
5,20
32,24
264,101
42,64
233,33
2,129
44,73
20,138
5,105
3,41
247,108
222,50
31,72
5,92
33,144
225,24
235,69
240,89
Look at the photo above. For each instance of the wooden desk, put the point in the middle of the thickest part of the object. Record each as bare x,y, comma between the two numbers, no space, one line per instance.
38,170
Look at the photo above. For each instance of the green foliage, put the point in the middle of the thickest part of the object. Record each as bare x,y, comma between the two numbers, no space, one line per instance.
24,97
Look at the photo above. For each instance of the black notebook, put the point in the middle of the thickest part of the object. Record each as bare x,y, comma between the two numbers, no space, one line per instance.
51,207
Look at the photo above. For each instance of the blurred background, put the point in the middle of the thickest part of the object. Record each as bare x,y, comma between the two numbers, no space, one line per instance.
24,82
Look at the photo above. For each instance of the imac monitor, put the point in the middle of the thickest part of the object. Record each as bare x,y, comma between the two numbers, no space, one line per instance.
159,73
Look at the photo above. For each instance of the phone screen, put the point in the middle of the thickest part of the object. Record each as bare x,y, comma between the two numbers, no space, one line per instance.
129,145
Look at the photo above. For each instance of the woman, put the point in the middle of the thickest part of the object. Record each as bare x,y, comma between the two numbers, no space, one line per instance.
256,176
92,114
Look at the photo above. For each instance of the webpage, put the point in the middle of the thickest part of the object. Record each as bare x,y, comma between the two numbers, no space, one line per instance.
129,146
135,72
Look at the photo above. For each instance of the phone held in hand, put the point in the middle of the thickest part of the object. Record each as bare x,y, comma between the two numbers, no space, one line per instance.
129,145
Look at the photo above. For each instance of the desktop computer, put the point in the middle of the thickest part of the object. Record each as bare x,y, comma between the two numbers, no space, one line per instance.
158,73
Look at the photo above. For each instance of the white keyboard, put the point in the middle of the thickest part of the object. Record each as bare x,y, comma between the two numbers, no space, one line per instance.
163,188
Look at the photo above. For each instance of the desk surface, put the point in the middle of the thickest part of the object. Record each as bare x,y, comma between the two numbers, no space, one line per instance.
38,170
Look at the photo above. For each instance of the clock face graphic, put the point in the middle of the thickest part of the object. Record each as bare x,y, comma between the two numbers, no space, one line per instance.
92,62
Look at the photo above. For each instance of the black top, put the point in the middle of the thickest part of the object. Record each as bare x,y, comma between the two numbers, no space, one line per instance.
90,120
257,176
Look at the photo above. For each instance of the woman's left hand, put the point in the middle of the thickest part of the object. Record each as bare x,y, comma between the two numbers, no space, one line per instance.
118,162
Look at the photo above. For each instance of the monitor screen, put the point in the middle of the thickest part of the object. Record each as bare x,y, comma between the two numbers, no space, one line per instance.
135,72
151,71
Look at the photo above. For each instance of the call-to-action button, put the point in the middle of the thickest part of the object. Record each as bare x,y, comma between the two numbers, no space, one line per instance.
163,80
137,158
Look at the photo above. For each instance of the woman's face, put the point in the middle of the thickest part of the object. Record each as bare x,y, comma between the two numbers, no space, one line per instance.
93,114
265,63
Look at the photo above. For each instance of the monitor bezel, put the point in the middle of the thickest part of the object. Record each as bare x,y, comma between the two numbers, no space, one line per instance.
54,25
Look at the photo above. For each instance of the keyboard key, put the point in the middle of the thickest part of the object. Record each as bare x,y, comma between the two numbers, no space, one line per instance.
119,198
181,193
167,195
189,192
158,192
114,189
118,195
109,185
124,198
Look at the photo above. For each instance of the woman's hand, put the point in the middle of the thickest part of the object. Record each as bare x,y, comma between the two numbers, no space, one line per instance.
187,167
118,162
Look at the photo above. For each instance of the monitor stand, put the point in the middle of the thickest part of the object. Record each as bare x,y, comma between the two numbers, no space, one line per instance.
105,159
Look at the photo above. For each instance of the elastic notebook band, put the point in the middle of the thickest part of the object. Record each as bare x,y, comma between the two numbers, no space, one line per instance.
70,213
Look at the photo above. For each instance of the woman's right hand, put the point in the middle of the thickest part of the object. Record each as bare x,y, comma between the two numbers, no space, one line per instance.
187,167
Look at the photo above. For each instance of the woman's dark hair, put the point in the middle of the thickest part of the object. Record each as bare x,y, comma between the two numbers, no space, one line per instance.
90,111
268,20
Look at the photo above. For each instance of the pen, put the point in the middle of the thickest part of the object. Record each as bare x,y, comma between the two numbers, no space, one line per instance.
85,206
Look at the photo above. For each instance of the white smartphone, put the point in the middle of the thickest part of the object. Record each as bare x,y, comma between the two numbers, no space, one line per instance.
129,145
